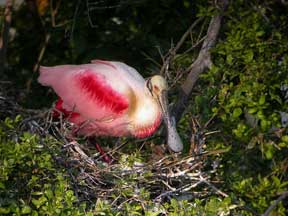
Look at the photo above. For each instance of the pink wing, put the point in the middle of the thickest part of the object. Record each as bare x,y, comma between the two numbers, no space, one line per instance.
92,90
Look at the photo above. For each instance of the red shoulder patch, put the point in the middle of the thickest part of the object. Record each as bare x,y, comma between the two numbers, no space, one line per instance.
101,93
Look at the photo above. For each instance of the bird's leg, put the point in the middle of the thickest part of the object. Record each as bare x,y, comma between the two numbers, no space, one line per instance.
104,155
107,158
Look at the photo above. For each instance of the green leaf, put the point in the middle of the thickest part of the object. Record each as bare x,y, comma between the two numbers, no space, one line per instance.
269,151
39,202
34,213
276,180
283,145
26,210
49,194
2,185
262,100
260,114
252,110
237,112
4,210
229,59
37,193
285,138
260,33
249,56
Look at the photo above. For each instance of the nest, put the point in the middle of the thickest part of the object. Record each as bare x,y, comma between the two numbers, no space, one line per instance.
164,177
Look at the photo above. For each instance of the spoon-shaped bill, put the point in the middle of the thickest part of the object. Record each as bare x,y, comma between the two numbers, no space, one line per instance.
173,138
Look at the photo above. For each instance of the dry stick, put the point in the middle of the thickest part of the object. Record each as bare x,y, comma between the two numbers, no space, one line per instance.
39,59
54,12
193,47
42,51
201,64
178,45
214,188
271,207
5,34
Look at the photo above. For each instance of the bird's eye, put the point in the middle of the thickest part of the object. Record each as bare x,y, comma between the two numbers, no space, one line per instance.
149,85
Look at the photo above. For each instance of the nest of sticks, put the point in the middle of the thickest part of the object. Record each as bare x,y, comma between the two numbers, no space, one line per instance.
165,177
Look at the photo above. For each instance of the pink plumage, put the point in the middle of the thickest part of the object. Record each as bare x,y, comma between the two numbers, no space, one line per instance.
103,98
100,92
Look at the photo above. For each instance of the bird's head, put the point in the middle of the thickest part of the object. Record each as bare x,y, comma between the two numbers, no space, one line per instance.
156,85
158,88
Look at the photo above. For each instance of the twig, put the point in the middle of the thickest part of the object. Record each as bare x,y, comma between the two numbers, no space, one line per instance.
194,46
41,54
54,12
183,188
258,10
167,193
271,207
186,34
174,50
213,187
5,33
201,64
74,18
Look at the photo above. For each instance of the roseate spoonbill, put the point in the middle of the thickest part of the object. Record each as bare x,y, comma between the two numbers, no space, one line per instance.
106,98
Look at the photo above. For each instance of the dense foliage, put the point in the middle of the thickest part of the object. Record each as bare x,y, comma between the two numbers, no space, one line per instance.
235,110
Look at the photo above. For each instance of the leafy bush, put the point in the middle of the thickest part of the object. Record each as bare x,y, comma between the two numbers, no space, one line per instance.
30,181
250,67
33,183
240,96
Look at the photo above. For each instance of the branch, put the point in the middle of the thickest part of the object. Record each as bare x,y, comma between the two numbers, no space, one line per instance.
42,51
271,207
174,50
39,59
5,34
201,64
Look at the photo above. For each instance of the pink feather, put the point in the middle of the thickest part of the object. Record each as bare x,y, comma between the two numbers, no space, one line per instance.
96,97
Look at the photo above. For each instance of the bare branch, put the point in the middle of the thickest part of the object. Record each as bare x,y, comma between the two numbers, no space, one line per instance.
174,50
214,188
271,207
42,51
202,63
5,33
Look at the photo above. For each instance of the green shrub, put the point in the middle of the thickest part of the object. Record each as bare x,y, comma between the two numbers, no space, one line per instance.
30,181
